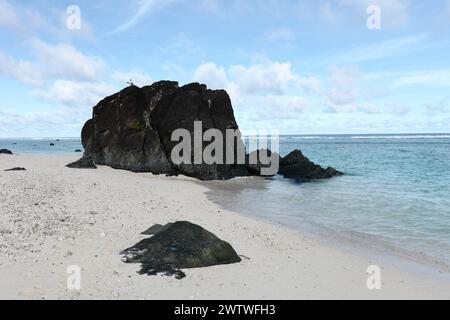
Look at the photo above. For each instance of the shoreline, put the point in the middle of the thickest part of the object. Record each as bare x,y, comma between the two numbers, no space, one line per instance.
86,217
367,245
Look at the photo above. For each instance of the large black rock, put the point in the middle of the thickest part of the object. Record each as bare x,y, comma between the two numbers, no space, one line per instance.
181,245
6,151
297,166
132,129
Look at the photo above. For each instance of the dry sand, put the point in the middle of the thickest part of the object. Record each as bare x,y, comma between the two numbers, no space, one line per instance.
52,217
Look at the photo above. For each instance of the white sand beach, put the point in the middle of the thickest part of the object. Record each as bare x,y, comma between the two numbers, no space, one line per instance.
52,217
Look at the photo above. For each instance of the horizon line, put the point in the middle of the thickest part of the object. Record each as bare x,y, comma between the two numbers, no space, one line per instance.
287,134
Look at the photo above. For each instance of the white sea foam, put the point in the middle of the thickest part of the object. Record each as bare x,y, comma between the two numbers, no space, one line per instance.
403,137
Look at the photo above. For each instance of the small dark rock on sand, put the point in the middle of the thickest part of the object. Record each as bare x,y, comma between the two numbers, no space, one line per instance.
84,163
180,245
17,169
5,151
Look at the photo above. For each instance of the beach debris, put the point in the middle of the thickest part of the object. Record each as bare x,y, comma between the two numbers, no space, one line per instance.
297,166
16,169
84,163
176,246
6,151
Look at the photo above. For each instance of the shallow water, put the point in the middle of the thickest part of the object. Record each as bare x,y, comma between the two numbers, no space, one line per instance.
395,195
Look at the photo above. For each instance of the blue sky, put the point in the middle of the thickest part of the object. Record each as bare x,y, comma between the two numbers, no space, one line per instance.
307,67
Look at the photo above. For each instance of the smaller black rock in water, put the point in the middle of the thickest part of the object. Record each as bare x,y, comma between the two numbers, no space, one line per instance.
52,144
297,166
6,151
78,151
83,163
180,245
16,169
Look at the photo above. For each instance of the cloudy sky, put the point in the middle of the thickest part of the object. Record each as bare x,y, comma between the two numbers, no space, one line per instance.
300,66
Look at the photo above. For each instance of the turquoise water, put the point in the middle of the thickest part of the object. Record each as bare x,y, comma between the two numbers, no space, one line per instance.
395,195
41,145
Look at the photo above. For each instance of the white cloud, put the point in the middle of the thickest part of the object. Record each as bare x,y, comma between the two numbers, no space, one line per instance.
76,94
344,82
282,107
345,92
143,8
28,23
267,90
39,124
9,18
64,60
439,107
270,78
23,71
61,61
211,74
263,79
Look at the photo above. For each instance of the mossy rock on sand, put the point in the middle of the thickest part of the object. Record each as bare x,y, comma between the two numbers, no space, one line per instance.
180,245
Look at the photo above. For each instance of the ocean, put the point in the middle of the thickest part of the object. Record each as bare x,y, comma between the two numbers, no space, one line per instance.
394,197
62,146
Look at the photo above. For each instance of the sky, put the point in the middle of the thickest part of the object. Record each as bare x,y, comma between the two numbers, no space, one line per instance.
298,66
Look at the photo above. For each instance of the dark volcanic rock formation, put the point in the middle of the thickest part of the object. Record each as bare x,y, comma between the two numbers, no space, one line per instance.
297,166
132,129
181,245
6,151
84,163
